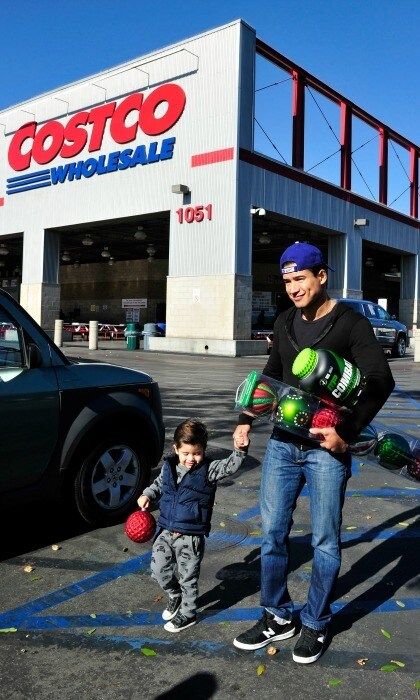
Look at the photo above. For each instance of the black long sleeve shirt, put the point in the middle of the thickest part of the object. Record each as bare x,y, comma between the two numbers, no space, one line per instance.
350,335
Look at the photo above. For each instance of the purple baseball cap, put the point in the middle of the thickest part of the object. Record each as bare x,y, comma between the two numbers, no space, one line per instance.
301,256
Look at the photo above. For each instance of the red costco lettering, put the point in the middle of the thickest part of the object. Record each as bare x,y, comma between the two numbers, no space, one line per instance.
52,132
174,96
17,159
54,139
99,117
75,137
120,132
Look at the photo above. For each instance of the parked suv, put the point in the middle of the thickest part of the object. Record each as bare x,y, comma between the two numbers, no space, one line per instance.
90,432
390,333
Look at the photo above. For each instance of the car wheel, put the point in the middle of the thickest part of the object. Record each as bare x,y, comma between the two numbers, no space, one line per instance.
110,479
400,347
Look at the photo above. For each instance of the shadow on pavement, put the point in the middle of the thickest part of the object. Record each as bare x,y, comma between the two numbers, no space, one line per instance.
33,527
242,579
399,548
200,687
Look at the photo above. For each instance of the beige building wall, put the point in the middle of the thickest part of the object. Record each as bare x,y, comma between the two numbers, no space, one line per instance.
210,306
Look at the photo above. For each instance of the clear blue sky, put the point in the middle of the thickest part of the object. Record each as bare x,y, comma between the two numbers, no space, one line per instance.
366,49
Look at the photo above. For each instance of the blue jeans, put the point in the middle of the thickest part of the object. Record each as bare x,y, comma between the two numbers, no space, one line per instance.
284,471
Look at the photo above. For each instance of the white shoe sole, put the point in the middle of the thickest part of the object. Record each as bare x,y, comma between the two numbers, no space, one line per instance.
174,630
306,659
166,615
277,638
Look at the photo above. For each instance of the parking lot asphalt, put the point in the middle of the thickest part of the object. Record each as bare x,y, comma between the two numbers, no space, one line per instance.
85,622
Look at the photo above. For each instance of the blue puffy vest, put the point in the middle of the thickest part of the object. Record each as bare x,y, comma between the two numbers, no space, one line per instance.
186,507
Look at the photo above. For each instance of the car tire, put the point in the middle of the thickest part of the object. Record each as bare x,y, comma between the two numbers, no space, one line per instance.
400,347
110,479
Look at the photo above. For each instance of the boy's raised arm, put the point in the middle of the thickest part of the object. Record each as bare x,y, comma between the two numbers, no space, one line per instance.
219,468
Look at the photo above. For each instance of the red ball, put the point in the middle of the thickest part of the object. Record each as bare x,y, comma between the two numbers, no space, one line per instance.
325,418
140,526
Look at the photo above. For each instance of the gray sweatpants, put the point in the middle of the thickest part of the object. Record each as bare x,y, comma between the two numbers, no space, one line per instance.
175,566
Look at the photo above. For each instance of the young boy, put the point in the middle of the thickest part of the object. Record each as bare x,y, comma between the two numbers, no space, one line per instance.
186,487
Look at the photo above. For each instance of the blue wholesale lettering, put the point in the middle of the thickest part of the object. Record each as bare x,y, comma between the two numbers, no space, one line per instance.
117,160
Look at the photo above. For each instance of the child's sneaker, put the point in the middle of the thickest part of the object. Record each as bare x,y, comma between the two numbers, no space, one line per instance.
172,607
179,623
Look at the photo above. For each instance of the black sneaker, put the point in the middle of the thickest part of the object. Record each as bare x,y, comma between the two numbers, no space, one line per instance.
309,646
179,623
172,608
264,632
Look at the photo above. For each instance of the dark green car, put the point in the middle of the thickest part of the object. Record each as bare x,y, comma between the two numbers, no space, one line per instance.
90,432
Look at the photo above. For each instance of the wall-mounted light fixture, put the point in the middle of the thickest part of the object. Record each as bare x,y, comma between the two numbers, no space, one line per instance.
369,262
3,249
258,210
180,189
76,263
105,252
360,222
111,261
66,256
87,240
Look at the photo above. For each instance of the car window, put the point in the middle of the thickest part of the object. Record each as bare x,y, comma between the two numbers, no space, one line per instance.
369,310
382,314
11,348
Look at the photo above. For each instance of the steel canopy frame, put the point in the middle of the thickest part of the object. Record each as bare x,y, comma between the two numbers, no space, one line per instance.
301,78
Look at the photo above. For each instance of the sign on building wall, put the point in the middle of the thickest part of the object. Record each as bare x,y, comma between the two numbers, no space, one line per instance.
35,145
134,303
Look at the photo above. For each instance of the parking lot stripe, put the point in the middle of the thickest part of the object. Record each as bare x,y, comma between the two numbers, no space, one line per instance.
153,619
75,589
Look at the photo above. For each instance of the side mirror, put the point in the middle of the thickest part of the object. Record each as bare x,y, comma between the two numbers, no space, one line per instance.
34,356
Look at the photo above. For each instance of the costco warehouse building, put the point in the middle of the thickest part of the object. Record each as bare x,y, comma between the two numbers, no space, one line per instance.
146,186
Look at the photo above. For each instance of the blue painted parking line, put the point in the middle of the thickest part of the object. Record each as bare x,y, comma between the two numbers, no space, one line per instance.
400,392
62,595
406,492
153,619
27,616
193,645
361,535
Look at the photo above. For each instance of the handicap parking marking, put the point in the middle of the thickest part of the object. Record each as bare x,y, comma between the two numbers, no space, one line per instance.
27,616
231,615
389,492
90,583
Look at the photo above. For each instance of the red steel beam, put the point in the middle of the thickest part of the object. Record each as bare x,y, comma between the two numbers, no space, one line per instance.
414,183
383,166
345,142
278,59
298,116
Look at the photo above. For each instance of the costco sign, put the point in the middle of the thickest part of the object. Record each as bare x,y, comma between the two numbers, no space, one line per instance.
151,115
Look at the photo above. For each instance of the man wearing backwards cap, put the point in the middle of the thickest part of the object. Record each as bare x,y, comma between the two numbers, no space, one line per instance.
314,321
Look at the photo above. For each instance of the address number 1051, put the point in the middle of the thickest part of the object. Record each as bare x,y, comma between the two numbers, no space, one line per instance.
198,213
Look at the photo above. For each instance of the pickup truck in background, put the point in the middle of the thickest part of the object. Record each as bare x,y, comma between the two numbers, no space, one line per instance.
391,334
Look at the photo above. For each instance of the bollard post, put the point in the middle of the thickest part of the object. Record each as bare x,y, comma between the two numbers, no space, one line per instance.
93,335
416,338
58,332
